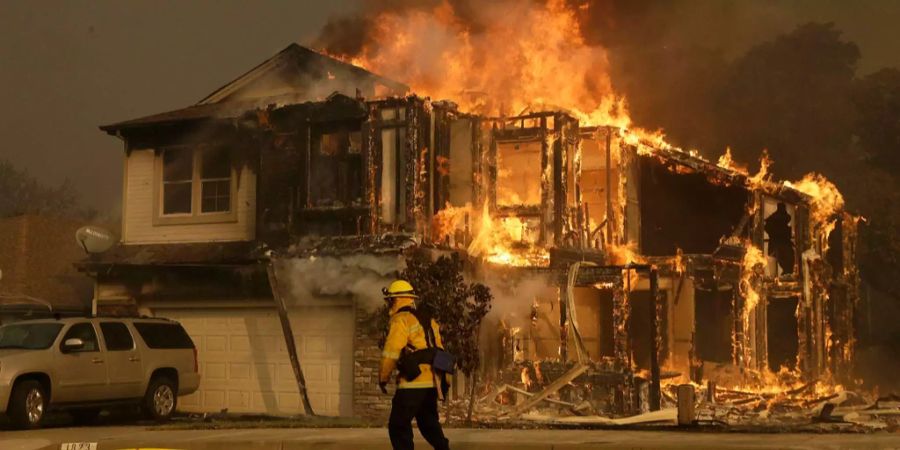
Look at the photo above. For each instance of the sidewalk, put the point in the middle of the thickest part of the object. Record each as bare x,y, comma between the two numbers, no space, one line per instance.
112,438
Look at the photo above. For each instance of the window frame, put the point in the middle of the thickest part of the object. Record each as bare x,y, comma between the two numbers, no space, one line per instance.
393,118
127,330
65,337
196,216
340,164
144,327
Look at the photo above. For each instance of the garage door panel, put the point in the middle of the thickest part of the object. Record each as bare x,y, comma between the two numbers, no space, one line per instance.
238,343
192,323
189,401
214,371
316,373
337,347
239,371
245,364
214,324
214,399
315,346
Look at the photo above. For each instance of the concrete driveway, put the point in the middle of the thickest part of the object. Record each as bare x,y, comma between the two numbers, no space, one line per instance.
122,437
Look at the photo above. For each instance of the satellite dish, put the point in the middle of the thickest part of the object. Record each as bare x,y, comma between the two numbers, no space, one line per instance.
94,239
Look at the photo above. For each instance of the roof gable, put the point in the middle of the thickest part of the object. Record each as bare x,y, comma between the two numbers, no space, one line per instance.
297,70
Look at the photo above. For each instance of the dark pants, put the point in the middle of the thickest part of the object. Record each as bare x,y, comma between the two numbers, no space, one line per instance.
421,404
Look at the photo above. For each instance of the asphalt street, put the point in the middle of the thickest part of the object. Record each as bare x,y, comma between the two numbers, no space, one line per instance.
132,437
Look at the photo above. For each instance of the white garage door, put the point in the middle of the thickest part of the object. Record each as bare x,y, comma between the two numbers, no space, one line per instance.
246,368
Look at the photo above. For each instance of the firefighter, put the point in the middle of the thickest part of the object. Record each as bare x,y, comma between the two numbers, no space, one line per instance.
417,393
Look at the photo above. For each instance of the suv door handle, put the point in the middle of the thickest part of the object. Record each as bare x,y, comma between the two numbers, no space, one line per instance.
134,359
97,361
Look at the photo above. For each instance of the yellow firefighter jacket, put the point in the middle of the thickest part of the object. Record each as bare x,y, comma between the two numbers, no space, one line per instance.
404,331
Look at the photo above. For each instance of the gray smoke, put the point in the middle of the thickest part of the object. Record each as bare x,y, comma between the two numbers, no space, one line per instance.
360,276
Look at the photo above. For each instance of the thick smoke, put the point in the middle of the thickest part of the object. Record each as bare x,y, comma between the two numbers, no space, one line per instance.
361,276
515,297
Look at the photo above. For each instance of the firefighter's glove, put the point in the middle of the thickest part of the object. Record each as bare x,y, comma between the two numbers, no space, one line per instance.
383,386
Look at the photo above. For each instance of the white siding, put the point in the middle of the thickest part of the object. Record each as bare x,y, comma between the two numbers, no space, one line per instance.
138,227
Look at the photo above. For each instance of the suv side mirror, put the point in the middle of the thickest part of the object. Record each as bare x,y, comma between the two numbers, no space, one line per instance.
72,345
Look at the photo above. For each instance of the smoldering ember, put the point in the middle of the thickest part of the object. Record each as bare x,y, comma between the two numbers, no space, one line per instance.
603,276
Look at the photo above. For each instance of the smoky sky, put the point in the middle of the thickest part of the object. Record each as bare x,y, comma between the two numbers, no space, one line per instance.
67,67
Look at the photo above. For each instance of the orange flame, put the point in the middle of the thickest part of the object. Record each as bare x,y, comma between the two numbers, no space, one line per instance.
826,198
727,162
507,240
527,57
751,263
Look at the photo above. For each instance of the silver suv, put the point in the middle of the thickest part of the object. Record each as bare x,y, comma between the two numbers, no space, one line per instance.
85,364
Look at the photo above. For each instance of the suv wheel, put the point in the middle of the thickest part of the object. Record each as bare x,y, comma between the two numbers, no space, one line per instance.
27,404
161,399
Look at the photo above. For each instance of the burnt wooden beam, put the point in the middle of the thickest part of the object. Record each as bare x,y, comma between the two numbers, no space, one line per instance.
559,180
547,185
491,169
289,338
563,329
519,134
609,202
654,342
372,161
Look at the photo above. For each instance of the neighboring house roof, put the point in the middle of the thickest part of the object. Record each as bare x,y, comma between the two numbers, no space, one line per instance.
295,69
188,254
37,254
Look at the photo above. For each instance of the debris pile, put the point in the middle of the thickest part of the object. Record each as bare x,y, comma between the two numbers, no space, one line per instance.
577,401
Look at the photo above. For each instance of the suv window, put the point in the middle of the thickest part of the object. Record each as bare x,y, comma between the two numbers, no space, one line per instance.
116,336
85,332
164,335
32,336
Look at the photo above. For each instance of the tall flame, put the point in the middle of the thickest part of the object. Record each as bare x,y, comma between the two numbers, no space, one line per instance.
527,56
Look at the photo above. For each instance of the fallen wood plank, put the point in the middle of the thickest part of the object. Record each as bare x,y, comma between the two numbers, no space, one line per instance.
668,415
531,394
490,397
663,415
555,386
880,412
745,401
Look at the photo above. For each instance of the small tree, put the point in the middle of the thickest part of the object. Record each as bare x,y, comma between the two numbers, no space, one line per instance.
458,307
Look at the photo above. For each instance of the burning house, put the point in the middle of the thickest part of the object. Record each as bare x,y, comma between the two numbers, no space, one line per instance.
618,261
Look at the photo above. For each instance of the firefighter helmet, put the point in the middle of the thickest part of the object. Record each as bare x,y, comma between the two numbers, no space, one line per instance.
399,288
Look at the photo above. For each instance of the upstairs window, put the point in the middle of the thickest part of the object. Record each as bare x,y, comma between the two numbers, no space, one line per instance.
195,184
178,176
336,173
215,178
